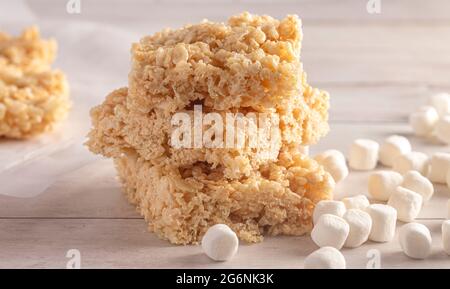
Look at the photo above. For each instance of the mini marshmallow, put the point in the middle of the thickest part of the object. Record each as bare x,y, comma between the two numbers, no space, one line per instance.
382,183
407,203
325,258
356,202
415,240
446,236
304,150
363,154
412,161
441,102
442,130
328,207
331,231
360,225
333,161
392,147
415,182
384,220
220,243
424,120
337,154
439,168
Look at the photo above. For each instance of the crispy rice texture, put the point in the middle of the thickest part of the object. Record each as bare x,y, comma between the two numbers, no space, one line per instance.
252,61
117,129
250,64
33,97
181,203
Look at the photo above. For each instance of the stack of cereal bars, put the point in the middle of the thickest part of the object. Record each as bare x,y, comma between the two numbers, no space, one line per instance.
247,66
33,96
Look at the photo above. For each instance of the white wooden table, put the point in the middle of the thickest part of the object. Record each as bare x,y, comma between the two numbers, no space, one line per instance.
378,68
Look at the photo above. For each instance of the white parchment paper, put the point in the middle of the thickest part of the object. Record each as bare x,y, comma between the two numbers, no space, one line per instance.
95,58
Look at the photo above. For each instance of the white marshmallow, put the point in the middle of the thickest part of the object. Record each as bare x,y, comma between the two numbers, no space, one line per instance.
439,167
304,150
328,207
382,183
325,258
360,225
220,243
415,182
446,236
415,240
441,102
407,203
442,130
333,161
337,154
392,147
424,120
363,154
331,231
356,202
412,161
384,220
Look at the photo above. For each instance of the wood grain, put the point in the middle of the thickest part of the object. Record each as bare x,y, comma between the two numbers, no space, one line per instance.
392,54
115,243
374,103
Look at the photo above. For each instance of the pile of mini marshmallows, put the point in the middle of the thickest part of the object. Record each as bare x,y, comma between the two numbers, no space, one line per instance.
404,189
433,120
352,221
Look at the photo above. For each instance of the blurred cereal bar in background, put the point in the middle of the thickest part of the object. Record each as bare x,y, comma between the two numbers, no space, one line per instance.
33,96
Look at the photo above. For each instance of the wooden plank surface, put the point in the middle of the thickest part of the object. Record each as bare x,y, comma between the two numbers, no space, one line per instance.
400,54
377,67
373,102
91,191
119,243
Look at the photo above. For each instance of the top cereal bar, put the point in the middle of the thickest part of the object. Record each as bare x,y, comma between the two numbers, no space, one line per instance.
252,61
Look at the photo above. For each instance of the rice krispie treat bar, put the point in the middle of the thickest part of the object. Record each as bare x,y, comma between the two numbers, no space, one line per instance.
28,51
118,129
32,96
249,65
251,61
181,203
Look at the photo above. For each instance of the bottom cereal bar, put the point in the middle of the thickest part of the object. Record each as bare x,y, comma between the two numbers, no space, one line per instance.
181,203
